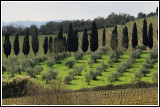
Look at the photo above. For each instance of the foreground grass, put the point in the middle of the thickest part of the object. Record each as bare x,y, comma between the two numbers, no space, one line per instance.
129,96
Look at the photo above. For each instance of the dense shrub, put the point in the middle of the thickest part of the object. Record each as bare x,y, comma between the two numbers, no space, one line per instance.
121,69
60,56
93,74
70,63
67,79
98,73
25,64
154,53
103,49
90,62
144,71
147,65
79,69
113,77
41,59
104,66
30,72
38,69
88,78
141,47
137,77
71,75
111,61
16,86
33,63
49,75
12,66
78,55
50,62
136,54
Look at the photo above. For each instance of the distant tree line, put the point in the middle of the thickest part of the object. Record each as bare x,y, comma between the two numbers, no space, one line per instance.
79,25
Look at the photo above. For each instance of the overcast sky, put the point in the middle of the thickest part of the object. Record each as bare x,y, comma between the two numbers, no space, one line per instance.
47,11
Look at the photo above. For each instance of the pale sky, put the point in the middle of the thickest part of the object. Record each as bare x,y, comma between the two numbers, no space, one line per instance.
47,11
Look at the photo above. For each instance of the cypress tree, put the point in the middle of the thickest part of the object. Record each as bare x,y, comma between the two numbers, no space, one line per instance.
60,34
75,41
104,37
125,39
134,36
70,39
114,39
85,42
50,44
26,47
35,41
145,36
94,37
45,45
16,45
150,35
7,45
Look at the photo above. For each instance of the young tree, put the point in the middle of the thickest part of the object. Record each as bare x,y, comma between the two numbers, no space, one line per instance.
134,36
85,42
75,41
16,45
88,78
104,37
45,45
145,36
70,38
114,39
150,35
94,37
7,45
26,47
125,40
50,44
35,41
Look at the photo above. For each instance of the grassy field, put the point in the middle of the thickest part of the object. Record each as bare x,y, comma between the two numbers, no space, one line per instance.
79,81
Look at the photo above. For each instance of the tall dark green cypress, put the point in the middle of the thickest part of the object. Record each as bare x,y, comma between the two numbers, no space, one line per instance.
75,41
114,39
45,45
26,46
60,34
50,44
35,41
7,45
134,36
94,37
85,42
125,40
104,37
16,45
145,36
70,38
150,35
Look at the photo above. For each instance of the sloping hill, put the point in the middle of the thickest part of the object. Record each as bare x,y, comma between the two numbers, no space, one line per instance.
139,22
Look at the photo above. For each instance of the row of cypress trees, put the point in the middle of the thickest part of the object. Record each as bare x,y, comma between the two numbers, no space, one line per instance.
72,41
